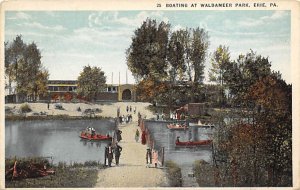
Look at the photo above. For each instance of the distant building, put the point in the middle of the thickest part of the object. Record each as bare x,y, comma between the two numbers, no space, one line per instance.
66,90
10,91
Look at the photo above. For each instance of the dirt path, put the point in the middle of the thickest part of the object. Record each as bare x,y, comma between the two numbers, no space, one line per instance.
132,171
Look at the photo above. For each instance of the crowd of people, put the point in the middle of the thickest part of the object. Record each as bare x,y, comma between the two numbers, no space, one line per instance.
128,117
125,119
113,150
90,130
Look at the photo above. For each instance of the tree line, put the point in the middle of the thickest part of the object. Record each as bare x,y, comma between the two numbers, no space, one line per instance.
25,71
253,140
160,60
23,68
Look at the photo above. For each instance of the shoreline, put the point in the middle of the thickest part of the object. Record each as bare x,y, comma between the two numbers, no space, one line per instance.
52,117
76,111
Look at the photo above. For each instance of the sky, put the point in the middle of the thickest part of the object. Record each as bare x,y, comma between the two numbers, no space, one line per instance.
70,40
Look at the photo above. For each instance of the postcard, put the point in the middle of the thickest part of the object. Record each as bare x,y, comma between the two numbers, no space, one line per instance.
150,94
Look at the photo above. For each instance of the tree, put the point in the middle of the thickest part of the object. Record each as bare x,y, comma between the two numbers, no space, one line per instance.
146,56
158,56
241,74
273,99
219,61
176,55
199,46
91,81
149,89
259,152
23,66
13,55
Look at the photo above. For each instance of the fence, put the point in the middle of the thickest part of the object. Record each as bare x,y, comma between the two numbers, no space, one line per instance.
150,142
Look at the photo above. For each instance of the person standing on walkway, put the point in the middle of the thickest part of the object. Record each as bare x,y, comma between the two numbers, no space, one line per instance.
118,112
134,110
118,149
155,157
127,108
118,133
109,154
137,135
130,108
148,157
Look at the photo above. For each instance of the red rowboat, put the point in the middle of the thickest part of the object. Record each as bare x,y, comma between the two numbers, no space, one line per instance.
177,127
96,137
193,143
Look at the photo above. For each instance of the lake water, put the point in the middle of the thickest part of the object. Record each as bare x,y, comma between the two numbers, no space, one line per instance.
166,138
58,139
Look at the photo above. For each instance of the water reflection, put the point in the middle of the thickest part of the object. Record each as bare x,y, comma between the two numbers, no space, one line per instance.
59,139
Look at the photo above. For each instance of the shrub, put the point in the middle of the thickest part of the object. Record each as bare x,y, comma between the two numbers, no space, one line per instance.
65,176
58,106
25,108
174,174
97,110
204,173
91,163
8,110
24,165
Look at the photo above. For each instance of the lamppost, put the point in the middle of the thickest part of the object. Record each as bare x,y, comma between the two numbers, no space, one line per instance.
48,99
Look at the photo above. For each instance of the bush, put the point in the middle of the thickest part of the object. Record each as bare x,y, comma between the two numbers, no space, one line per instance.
174,174
91,163
97,110
8,110
25,108
24,164
58,106
78,175
204,173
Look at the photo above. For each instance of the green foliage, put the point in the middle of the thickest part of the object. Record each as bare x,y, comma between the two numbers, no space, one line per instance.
79,175
199,47
219,62
273,98
176,54
204,173
255,147
147,52
25,108
90,82
174,174
23,66
161,57
241,74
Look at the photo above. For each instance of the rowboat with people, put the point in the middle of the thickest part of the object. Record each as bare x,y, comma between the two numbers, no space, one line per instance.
97,137
192,143
177,126
90,134
201,125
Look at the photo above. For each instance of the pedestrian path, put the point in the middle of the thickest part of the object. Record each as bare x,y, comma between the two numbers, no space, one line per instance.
132,171
188,181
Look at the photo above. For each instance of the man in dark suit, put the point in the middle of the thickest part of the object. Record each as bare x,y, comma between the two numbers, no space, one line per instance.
118,149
